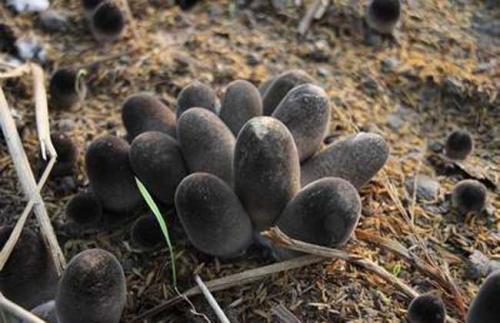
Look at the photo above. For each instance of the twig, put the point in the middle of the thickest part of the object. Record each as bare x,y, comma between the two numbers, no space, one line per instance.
211,300
18,311
284,315
27,181
15,72
315,11
239,279
283,240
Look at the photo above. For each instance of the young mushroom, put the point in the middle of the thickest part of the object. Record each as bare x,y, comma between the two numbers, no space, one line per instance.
66,88
207,144
29,277
212,216
110,175
197,95
469,196
107,22
266,168
92,289
426,308
143,112
484,307
279,88
324,212
383,15
305,111
84,209
157,161
67,155
241,103
459,145
356,159
146,233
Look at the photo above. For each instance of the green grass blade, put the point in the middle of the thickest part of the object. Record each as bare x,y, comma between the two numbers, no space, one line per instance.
156,211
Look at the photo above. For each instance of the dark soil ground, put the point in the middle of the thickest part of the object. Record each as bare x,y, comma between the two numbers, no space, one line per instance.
443,74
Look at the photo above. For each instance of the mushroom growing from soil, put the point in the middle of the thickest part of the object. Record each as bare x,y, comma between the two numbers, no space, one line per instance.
157,161
146,233
67,155
143,112
212,216
324,212
305,111
426,308
459,145
484,307
107,22
197,95
29,277
241,103
266,168
356,159
207,144
469,196
110,175
66,88
279,88
383,15
84,209
92,289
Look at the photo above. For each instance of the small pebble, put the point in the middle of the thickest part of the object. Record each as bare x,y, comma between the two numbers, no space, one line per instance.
427,188
53,20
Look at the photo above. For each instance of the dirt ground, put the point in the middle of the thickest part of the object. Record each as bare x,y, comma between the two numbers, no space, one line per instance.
443,73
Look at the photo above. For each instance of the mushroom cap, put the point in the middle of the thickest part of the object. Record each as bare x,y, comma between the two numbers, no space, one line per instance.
356,159
92,289
383,15
241,102
266,168
146,232
212,216
144,112
484,307
198,95
469,196
110,175
28,268
107,22
305,111
67,154
427,308
280,86
459,145
207,144
84,208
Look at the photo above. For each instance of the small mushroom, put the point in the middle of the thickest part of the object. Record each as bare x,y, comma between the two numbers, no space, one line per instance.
469,196
266,168
212,216
484,307
66,88
241,103
305,111
67,155
107,22
197,95
459,145
426,308
279,88
92,289
84,209
29,277
383,15
324,212
110,175
207,144
356,159
157,161
143,112
146,233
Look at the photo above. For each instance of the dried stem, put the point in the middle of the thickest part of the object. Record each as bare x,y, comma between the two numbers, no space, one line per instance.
211,300
18,311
